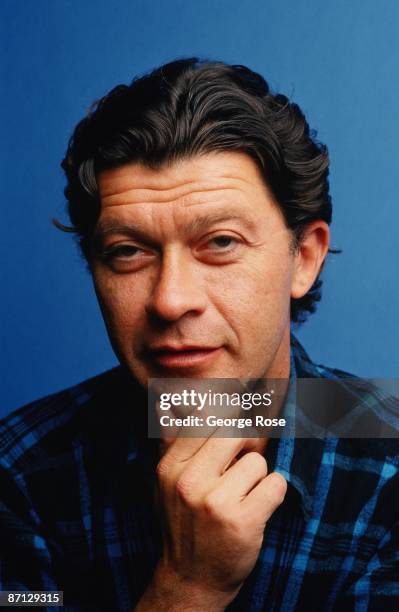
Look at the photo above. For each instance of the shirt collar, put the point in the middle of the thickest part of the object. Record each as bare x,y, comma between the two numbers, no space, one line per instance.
297,459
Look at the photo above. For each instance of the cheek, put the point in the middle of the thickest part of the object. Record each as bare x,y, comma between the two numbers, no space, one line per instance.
121,302
257,291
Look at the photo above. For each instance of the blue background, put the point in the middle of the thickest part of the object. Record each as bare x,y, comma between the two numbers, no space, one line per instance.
338,60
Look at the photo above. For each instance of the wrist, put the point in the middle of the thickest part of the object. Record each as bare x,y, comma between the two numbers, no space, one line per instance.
174,593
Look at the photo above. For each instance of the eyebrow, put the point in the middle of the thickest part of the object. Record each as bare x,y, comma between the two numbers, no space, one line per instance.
206,220
194,226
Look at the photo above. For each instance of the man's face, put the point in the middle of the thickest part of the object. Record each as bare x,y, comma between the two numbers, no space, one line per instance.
193,269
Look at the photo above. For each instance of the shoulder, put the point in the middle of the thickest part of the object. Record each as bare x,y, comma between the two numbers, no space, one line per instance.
366,411
306,368
51,424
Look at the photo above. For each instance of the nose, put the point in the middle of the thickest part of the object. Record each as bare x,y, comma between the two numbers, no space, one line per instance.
177,289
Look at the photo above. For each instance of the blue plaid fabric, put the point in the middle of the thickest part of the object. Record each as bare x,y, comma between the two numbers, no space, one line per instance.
77,509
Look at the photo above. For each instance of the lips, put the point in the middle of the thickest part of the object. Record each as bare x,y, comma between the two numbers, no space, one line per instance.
184,356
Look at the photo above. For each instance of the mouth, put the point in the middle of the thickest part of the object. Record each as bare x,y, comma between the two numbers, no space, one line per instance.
184,357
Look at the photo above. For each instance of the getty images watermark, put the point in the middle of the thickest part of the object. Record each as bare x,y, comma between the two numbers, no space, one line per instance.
304,408
203,401
221,407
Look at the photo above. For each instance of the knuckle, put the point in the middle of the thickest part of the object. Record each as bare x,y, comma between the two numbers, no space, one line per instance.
257,461
279,487
185,490
163,469
213,506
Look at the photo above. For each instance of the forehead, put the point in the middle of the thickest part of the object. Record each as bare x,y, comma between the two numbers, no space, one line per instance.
206,179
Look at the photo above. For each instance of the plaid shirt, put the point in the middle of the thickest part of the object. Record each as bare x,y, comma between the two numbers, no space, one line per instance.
77,513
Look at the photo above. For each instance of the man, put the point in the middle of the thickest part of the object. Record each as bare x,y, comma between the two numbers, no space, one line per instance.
202,206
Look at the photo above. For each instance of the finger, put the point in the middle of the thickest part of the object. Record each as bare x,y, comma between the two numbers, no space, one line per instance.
178,459
177,435
213,458
182,449
243,476
266,497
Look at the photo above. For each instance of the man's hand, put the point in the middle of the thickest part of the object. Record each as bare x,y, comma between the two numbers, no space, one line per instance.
215,506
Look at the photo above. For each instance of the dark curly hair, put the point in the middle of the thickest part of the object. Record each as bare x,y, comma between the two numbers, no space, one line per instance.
188,107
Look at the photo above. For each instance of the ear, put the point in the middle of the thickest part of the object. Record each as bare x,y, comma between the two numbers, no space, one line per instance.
309,257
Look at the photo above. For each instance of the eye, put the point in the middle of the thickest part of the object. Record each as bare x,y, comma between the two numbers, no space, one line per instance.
123,252
223,242
126,257
221,249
